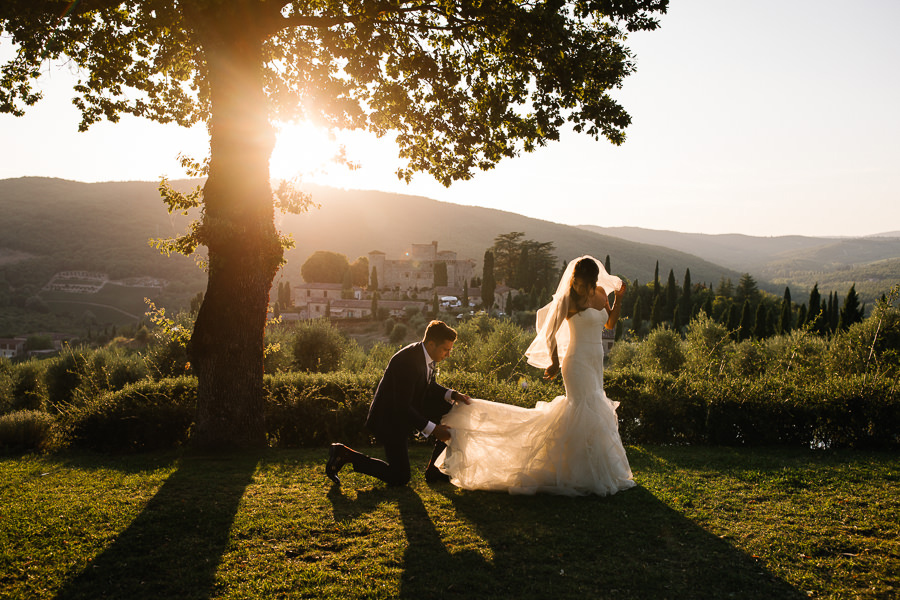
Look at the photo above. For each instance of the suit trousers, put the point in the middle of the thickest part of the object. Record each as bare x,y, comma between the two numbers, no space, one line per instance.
396,470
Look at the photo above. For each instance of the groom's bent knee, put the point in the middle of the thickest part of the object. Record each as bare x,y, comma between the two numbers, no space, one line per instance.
398,477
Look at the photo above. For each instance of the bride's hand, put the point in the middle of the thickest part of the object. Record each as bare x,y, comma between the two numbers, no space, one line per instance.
551,371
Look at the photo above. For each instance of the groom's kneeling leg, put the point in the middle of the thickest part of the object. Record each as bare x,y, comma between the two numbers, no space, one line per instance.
393,472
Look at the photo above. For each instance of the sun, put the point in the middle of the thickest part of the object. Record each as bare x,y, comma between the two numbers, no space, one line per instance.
303,150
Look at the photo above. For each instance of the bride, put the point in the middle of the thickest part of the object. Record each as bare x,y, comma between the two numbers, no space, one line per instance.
570,445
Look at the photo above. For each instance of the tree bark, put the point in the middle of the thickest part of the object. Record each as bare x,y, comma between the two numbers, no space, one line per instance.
239,231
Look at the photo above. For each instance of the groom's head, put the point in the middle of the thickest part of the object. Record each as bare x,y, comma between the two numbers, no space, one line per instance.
438,340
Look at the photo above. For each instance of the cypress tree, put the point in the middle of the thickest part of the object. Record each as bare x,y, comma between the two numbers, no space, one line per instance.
656,280
760,327
708,306
815,308
686,299
465,298
606,264
746,327
373,279
733,321
671,296
832,312
488,285
656,316
784,323
435,306
374,306
637,316
801,316
851,312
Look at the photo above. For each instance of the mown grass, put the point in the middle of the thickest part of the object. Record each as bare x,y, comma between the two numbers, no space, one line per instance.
703,523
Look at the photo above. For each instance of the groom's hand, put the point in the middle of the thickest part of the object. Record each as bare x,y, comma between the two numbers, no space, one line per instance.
460,397
441,432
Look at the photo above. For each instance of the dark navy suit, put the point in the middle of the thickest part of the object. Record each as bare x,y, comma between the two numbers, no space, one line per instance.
404,401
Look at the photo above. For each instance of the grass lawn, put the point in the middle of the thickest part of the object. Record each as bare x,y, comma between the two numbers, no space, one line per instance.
703,523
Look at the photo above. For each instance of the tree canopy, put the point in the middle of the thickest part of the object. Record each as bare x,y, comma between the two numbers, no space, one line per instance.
462,83
324,266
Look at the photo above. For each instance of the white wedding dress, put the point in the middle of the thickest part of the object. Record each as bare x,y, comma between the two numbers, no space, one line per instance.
568,446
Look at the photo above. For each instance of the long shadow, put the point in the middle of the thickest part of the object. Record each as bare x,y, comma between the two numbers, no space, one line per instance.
429,569
173,548
630,545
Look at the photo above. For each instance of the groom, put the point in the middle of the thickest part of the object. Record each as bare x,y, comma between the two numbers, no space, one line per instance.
407,398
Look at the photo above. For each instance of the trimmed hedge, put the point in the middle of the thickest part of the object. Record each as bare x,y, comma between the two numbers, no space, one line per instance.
149,415
836,413
314,409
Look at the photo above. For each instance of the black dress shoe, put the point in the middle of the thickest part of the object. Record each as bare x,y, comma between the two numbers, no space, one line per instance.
435,475
337,458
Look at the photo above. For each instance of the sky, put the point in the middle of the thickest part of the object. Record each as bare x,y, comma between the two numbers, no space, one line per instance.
771,117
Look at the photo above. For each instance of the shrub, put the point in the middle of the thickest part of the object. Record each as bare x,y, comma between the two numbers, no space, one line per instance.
279,348
378,357
25,430
150,415
872,346
707,346
166,358
750,359
798,355
624,355
313,409
318,346
662,351
490,346
62,377
398,333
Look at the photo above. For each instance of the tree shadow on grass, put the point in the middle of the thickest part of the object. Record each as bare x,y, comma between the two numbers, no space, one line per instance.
430,570
173,548
630,545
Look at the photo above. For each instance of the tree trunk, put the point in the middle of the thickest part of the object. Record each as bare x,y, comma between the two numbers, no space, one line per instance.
244,249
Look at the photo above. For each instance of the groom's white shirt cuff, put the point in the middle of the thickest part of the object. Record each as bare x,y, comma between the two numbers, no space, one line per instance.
429,428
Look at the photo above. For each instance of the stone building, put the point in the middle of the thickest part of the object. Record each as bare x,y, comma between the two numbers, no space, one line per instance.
415,270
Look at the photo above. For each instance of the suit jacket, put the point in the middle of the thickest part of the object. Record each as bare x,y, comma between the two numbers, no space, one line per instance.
403,396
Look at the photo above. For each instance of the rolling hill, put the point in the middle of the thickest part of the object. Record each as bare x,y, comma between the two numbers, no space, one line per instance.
51,225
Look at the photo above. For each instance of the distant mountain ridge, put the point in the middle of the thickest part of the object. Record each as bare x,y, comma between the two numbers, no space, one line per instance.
749,253
872,263
58,224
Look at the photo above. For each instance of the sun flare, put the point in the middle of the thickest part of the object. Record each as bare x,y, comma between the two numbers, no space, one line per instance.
303,150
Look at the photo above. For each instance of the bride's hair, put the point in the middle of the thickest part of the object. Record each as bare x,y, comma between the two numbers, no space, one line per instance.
587,271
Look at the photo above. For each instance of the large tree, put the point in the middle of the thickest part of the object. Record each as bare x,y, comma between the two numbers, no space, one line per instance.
460,83
325,266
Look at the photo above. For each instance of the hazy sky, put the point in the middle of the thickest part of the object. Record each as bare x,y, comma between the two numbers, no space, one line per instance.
769,117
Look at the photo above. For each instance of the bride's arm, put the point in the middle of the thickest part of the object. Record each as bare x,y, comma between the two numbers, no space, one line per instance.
616,308
551,371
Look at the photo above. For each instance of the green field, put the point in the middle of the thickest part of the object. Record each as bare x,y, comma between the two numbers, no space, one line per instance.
114,304
703,523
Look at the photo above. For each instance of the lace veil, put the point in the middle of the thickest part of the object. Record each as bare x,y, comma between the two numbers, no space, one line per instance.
552,326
